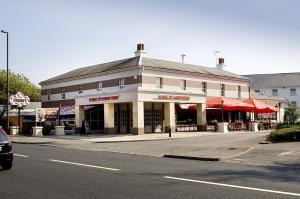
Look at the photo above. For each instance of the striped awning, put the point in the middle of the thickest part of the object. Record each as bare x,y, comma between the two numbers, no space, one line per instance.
67,110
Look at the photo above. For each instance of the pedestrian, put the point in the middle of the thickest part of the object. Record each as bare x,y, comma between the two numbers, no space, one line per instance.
83,128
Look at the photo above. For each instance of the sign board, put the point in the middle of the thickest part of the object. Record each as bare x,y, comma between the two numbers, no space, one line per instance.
100,99
19,100
42,114
174,97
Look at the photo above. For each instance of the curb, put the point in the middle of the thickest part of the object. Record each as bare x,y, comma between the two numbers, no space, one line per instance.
22,142
134,140
191,157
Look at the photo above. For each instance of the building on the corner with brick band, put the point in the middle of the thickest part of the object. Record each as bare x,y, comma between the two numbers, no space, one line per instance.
141,94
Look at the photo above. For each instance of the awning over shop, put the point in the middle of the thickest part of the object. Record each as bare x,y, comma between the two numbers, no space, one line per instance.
228,104
260,107
67,110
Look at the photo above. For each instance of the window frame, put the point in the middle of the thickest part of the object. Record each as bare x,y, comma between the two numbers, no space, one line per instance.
204,87
222,90
183,84
48,95
79,88
62,92
239,90
99,86
274,93
121,83
293,93
159,82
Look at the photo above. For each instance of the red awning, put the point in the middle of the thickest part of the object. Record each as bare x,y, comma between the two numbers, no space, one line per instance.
228,104
261,107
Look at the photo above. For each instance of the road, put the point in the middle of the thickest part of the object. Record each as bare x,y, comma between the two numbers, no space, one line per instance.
54,172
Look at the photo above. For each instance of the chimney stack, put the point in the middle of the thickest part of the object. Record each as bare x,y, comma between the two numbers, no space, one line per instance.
140,51
221,64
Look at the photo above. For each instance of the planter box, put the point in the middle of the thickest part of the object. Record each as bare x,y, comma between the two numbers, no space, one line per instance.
14,130
59,130
223,127
37,131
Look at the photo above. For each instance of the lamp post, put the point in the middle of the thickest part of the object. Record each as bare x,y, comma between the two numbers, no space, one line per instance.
7,82
222,102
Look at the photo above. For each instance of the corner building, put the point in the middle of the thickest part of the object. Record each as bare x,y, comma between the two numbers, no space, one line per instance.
140,94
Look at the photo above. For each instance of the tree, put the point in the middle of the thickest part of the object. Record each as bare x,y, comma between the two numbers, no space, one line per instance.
18,83
291,113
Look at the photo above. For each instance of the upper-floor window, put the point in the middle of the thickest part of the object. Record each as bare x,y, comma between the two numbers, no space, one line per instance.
294,103
222,89
79,88
121,83
183,84
257,91
48,95
293,92
275,92
203,87
99,86
158,82
239,91
63,94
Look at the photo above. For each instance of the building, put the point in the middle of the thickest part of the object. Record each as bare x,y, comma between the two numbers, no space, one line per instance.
284,85
140,94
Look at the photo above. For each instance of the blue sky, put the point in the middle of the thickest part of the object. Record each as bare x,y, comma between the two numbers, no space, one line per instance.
48,38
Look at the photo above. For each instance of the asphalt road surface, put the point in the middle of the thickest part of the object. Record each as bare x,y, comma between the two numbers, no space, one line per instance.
54,172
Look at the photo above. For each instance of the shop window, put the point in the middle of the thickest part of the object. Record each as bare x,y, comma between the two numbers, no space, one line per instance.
63,94
183,84
158,82
222,88
79,89
274,92
293,92
48,95
148,117
239,91
121,83
99,86
204,86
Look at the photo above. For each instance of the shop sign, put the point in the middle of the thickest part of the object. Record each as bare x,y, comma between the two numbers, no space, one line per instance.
19,100
267,115
101,99
174,97
41,114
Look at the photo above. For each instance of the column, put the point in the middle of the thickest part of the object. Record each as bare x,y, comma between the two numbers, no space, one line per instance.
169,114
138,118
79,116
201,117
229,116
109,118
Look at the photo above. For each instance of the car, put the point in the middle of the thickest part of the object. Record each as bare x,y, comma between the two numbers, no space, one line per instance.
6,154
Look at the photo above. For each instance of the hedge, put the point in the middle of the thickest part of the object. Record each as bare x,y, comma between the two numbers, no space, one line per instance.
285,134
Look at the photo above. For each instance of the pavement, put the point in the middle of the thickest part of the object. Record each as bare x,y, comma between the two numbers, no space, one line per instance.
234,147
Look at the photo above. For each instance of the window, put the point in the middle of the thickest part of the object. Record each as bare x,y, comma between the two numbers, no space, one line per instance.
63,95
293,92
79,89
222,88
99,86
239,91
204,85
294,103
263,92
48,95
183,84
274,92
257,91
158,82
121,83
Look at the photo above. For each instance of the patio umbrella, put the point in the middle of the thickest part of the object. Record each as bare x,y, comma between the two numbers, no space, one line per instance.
228,104
260,107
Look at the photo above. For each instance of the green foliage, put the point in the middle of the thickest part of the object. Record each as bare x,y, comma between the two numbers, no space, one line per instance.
285,134
292,114
18,83
284,125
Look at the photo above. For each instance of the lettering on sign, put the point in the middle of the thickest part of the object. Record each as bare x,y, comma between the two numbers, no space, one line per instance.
19,99
100,99
174,97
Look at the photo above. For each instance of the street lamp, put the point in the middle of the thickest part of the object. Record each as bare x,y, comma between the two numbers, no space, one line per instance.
222,102
7,82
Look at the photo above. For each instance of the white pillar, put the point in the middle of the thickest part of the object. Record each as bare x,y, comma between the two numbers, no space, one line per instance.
169,112
79,116
201,117
138,117
109,118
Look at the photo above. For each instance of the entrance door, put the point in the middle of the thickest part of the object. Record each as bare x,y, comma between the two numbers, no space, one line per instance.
153,118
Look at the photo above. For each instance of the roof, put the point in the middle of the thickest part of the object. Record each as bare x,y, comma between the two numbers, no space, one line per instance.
95,70
275,80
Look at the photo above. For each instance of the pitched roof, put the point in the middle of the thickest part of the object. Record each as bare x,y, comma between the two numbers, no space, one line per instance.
135,62
277,80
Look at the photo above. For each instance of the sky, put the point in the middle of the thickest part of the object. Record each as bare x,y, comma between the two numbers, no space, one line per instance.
51,37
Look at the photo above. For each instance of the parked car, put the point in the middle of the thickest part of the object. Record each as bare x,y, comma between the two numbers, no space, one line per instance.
6,154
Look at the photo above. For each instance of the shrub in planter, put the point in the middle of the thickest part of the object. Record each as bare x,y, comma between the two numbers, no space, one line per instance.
285,134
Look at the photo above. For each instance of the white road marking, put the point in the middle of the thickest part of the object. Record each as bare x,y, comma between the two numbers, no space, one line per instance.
286,153
234,186
238,154
85,165
19,155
